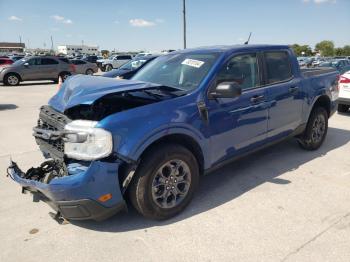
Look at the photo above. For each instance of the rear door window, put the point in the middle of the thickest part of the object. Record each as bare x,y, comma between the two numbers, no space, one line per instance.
278,67
48,61
124,57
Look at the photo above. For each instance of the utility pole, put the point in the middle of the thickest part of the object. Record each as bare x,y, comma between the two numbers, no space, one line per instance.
20,39
184,21
51,44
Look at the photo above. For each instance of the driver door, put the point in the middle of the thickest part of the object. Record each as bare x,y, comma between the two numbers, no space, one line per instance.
238,124
31,70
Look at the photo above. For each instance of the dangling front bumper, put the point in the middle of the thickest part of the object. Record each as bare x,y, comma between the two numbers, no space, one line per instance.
88,191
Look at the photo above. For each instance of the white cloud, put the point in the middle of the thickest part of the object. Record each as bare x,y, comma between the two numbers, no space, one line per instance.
61,19
320,1
67,21
15,18
138,22
159,20
57,17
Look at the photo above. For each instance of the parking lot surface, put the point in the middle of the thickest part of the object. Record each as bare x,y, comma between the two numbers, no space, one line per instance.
280,204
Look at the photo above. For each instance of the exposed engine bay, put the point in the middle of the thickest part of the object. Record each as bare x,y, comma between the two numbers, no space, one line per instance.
118,102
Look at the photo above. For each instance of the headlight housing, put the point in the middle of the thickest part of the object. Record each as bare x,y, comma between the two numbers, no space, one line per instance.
84,141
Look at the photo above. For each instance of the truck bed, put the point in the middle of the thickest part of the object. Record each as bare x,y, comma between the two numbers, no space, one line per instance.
307,72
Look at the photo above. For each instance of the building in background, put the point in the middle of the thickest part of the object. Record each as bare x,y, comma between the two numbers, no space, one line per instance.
9,47
77,49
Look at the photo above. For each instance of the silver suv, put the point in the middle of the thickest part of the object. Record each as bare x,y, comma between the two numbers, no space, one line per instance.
36,68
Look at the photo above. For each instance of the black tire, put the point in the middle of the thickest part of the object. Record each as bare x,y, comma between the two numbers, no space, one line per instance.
89,72
343,108
142,193
316,129
11,79
108,68
64,76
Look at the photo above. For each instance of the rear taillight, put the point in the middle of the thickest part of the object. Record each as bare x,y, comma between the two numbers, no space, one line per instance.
344,80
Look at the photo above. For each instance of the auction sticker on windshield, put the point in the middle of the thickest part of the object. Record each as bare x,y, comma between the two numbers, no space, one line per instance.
193,63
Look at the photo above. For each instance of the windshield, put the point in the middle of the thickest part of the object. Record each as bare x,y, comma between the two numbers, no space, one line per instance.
183,71
20,61
133,64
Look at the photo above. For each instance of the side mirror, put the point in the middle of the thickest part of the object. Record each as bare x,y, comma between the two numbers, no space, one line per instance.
26,64
226,90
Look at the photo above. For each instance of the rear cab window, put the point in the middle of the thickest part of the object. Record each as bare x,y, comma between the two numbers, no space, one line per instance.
278,67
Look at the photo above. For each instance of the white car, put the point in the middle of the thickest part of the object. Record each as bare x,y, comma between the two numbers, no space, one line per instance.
113,62
344,92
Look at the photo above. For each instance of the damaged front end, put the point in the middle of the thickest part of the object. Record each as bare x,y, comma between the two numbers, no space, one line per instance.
85,186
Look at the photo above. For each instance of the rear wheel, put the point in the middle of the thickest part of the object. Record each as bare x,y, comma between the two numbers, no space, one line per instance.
165,182
89,71
316,129
343,108
11,80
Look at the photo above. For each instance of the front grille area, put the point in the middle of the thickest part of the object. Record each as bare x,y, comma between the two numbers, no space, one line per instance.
50,119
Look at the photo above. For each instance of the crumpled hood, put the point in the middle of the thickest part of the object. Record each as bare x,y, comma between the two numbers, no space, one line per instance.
83,89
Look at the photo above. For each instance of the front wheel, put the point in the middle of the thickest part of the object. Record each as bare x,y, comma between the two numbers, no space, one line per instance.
165,182
11,80
316,130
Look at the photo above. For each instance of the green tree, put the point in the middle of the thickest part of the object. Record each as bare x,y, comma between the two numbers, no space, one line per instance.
325,47
339,51
346,50
302,50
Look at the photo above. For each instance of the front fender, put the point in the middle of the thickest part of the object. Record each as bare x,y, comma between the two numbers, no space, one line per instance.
135,151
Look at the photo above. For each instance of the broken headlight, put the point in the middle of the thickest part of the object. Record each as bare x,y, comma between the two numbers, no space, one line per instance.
84,141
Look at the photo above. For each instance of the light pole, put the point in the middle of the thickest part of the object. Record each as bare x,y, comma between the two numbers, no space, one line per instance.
184,21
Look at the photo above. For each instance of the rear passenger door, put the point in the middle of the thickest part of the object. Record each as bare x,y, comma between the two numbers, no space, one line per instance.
285,94
49,68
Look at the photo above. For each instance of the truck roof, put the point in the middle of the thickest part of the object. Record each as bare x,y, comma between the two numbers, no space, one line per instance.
230,48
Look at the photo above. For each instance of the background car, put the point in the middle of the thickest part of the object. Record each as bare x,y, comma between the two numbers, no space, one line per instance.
16,57
84,67
90,58
36,68
129,69
344,92
114,61
342,65
5,61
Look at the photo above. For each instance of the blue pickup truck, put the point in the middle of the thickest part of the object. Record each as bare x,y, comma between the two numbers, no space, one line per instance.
147,141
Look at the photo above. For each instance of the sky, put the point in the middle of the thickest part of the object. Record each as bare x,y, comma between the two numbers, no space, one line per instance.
154,25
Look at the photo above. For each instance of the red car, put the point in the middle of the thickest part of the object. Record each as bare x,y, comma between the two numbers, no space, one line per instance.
5,61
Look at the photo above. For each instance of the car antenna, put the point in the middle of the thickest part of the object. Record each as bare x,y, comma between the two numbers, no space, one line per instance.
250,34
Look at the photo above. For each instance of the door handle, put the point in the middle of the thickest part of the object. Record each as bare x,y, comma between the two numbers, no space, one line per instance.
293,89
257,99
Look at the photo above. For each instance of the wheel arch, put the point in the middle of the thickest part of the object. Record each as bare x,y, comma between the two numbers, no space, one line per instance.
322,101
14,73
180,139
